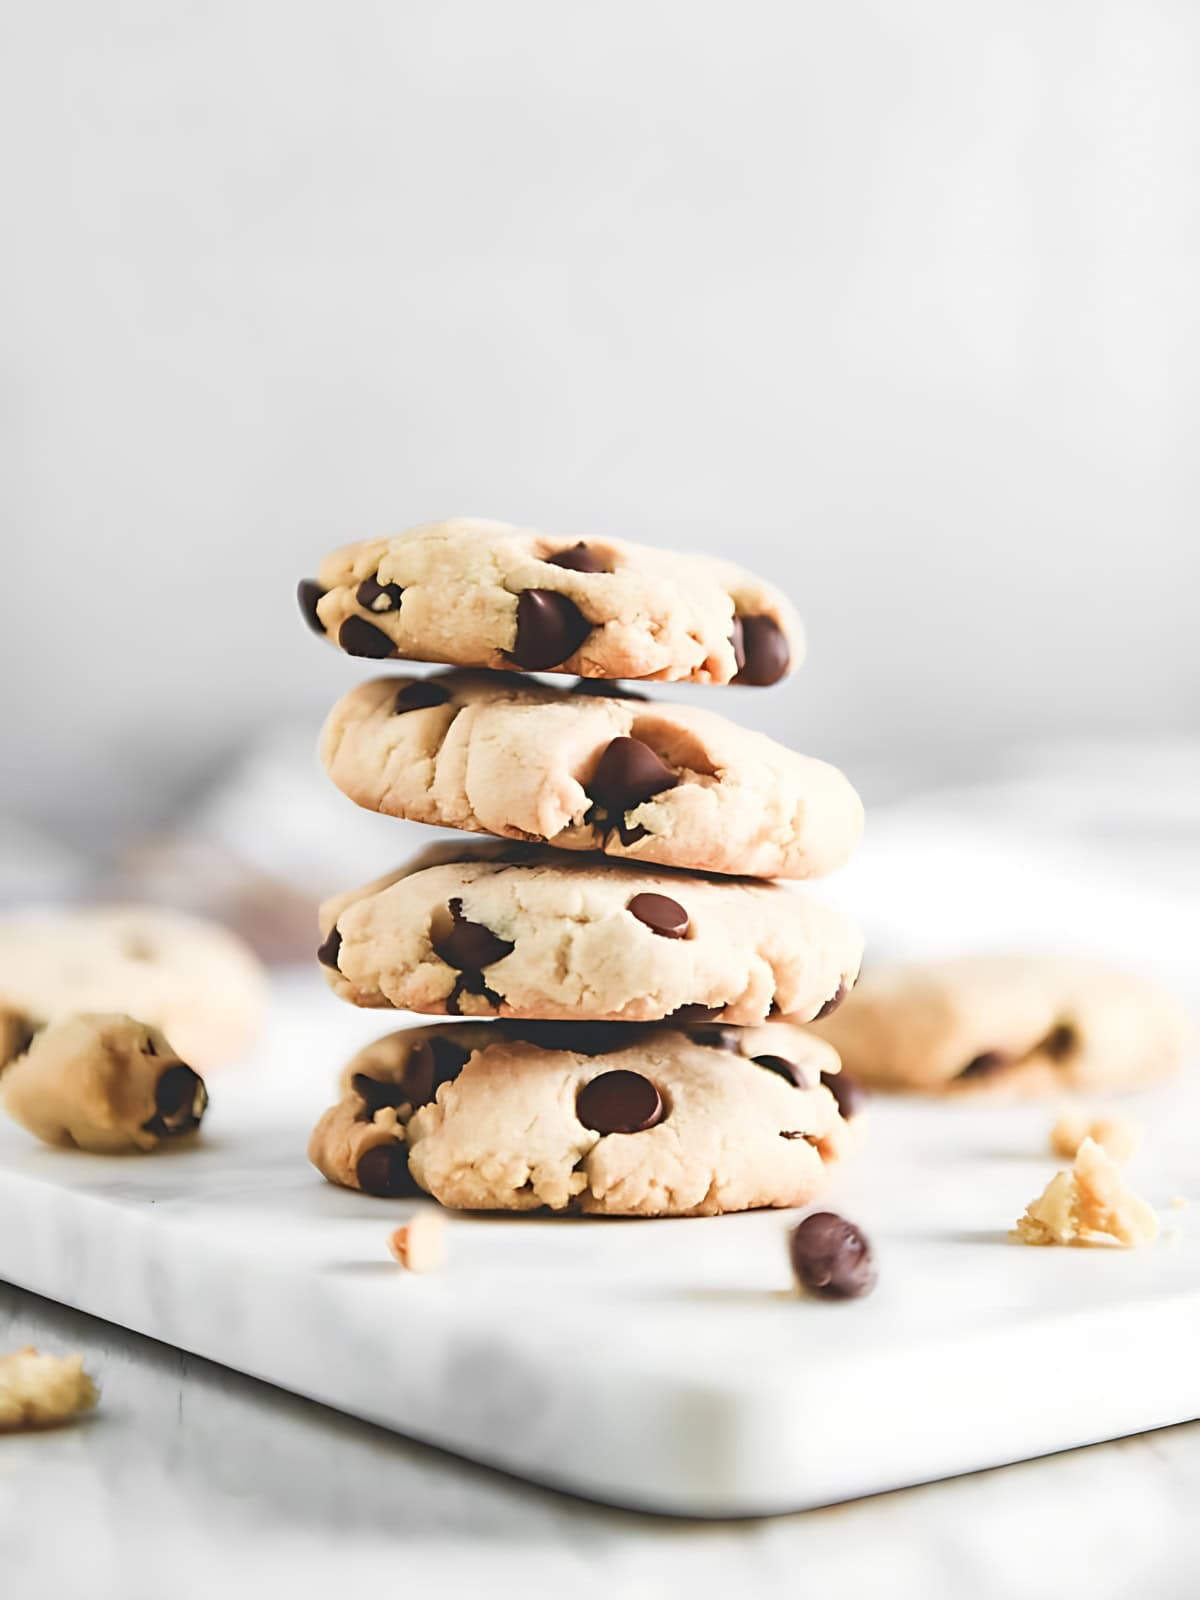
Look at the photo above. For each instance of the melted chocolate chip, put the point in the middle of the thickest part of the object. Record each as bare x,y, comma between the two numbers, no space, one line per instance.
419,696
579,558
308,593
627,774
660,914
1060,1042
180,1099
431,1063
327,955
831,1257
693,1012
549,629
469,946
785,1069
383,1170
358,637
374,596
834,1001
583,1038
851,1097
765,651
605,688
619,1102
983,1066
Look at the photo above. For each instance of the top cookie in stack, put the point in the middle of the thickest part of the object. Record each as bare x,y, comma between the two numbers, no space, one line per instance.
677,808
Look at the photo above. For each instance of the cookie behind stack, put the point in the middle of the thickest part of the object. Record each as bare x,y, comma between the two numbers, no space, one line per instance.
649,1077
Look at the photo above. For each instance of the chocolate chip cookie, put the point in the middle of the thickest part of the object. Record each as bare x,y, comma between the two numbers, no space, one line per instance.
593,1117
104,1083
673,785
1024,1025
522,931
474,593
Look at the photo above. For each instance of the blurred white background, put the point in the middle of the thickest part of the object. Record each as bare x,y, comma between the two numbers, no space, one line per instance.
895,302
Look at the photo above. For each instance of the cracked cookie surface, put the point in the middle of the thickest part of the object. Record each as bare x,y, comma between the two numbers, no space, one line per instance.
1023,1025
522,931
476,593
673,785
604,1118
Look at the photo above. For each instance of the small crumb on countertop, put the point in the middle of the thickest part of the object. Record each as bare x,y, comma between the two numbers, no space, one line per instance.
420,1243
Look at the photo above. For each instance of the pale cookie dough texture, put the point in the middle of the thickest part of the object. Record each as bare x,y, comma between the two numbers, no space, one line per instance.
40,1391
1089,1205
1023,1025
474,593
104,1083
589,1117
520,931
672,785
202,986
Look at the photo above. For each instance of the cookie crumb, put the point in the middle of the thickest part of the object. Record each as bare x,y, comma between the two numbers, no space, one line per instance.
1087,1205
420,1244
38,1391
1117,1135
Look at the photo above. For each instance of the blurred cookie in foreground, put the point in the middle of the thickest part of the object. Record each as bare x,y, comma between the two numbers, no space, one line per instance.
1011,1024
41,1391
105,1083
197,982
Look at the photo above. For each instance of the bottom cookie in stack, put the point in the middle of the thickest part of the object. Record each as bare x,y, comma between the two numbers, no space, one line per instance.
605,1118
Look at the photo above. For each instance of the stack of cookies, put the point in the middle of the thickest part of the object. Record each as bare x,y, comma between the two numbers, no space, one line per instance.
634,988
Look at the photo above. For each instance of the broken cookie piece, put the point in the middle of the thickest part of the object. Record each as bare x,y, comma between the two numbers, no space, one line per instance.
1118,1135
39,1391
1090,1204
105,1083
419,1245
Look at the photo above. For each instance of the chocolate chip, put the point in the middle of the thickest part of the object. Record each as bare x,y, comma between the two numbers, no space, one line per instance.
765,651
374,596
799,1133
831,1257
469,946
549,629
584,1038
149,1048
834,1001
604,688
579,558
738,640
693,1013
851,1097
376,1094
718,1038
983,1066
619,1102
419,696
785,1069
630,836
431,1063
383,1170
628,773
327,955
358,637
1060,1042
180,1099
660,914
308,593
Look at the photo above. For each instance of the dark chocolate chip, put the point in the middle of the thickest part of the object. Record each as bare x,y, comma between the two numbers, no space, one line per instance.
630,836
179,1102
327,955
693,1013
431,1063
1060,1042
766,652
584,1038
375,1094
383,1170
738,640
469,946
604,688
831,1257
799,1133
619,1102
549,629
785,1069
358,637
851,1097
308,593
579,558
375,596
718,1038
628,773
419,696
660,914
983,1066
834,1001
149,1048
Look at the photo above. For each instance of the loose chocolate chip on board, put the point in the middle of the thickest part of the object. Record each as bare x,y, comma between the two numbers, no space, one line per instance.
327,954
579,558
419,696
851,1097
987,1064
831,1257
180,1099
661,915
358,637
786,1069
766,652
383,1170
467,945
834,1001
549,629
619,1102
627,774
1059,1042
375,596
605,688
431,1063
308,593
